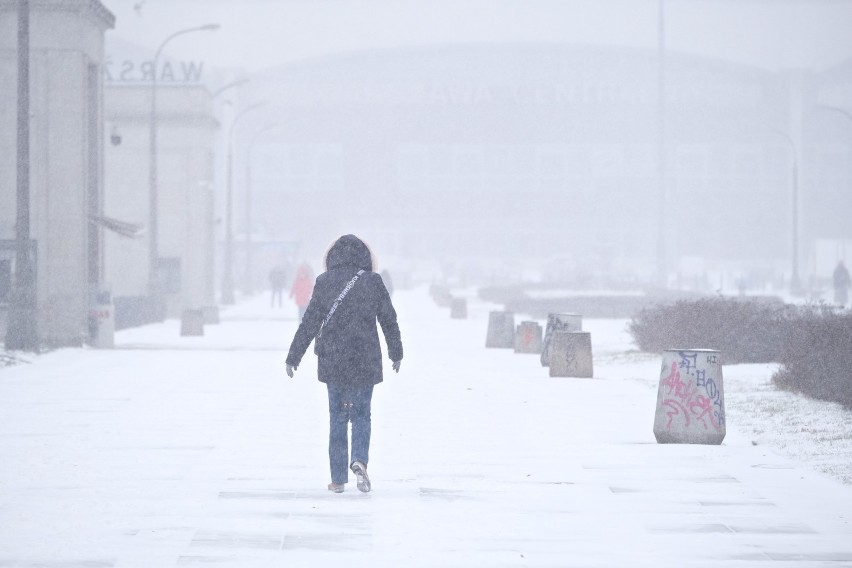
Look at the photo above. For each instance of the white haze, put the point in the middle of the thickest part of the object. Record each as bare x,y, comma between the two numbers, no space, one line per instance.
508,164
773,34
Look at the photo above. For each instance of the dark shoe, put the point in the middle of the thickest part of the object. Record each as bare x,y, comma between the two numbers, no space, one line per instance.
337,487
360,471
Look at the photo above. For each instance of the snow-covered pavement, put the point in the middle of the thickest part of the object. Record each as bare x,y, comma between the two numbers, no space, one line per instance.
171,451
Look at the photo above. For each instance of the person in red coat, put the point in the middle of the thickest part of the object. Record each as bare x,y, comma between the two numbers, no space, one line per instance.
303,288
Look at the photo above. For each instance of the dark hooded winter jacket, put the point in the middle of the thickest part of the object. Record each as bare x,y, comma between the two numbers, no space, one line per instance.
348,348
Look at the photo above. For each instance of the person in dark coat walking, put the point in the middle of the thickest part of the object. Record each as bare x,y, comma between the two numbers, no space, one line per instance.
341,318
277,279
386,278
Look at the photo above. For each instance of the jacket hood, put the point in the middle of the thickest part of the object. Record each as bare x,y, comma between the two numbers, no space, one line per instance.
349,250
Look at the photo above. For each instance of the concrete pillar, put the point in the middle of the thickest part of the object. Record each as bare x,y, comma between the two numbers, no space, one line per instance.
441,294
558,322
571,354
102,320
66,190
528,337
458,308
501,330
690,398
192,323
211,315
186,136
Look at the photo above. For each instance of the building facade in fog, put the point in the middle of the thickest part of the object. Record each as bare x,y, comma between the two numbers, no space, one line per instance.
66,190
186,136
552,152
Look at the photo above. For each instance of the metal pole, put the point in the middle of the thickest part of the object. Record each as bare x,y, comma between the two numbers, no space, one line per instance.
842,111
153,253
846,114
249,286
795,282
228,297
212,252
230,85
662,268
22,333
249,283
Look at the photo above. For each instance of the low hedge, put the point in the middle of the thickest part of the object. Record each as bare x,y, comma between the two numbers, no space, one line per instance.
813,344
522,299
7,359
745,331
817,356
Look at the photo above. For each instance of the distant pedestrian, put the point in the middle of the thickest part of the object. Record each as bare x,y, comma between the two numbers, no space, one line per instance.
341,318
386,278
841,285
277,281
303,288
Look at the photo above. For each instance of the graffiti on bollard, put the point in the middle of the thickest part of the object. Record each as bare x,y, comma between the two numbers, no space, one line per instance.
501,330
558,322
571,354
690,398
192,323
528,338
458,308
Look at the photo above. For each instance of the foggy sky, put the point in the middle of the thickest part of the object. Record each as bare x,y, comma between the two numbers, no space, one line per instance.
261,35
257,34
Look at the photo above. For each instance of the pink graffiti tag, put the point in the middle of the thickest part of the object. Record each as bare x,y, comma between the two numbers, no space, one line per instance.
674,383
675,409
527,337
704,406
684,403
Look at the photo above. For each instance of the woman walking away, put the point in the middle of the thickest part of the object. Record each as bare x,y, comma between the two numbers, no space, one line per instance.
341,317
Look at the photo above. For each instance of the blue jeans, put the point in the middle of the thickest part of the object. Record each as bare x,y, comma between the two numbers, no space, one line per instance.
348,403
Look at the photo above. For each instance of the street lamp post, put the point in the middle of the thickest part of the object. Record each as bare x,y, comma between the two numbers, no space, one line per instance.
842,111
249,286
845,113
22,330
662,261
228,278
795,281
210,279
230,85
153,252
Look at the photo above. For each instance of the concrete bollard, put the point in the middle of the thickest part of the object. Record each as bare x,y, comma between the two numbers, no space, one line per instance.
528,337
192,323
571,354
690,398
558,322
501,330
102,326
458,308
211,315
441,294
